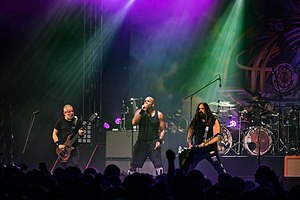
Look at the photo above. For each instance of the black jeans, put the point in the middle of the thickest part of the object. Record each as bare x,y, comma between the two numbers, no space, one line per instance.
191,158
141,151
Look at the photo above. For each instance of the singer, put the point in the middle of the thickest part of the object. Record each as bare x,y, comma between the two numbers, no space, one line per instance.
65,128
202,137
150,137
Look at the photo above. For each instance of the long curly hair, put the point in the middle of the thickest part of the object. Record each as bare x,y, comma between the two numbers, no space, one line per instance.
210,118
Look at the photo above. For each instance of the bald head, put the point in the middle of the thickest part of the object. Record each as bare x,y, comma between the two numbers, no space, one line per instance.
149,102
68,112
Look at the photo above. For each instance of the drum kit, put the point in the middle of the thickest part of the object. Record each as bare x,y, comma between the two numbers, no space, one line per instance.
129,106
257,130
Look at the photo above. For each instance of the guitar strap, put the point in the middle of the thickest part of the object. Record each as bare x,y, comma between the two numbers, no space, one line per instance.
74,124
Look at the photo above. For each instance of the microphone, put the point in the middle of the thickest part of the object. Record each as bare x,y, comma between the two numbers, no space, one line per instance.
144,107
220,81
36,112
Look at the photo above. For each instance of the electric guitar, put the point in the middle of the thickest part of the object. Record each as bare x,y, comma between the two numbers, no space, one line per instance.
186,153
64,154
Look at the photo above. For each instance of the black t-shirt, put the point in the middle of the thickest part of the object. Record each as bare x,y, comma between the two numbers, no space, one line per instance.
66,128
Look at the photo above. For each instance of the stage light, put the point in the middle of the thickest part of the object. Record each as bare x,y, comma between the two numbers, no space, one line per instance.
118,120
233,123
106,125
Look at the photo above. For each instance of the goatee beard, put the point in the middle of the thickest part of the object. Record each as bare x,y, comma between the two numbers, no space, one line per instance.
203,116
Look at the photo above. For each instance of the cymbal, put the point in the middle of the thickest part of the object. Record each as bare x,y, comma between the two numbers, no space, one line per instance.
227,109
222,104
258,101
135,99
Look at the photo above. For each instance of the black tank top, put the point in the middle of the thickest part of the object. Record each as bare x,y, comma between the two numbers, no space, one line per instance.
204,131
148,128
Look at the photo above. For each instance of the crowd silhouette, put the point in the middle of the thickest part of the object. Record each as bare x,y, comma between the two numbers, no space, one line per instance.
17,182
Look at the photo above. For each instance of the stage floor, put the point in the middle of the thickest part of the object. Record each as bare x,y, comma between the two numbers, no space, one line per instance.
239,166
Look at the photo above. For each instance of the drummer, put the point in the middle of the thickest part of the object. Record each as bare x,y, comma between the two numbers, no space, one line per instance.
259,108
259,103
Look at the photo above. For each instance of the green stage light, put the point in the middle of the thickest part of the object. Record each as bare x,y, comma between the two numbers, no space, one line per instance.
218,54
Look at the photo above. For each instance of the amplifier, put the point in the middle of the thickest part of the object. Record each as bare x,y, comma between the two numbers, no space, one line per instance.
119,144
292,166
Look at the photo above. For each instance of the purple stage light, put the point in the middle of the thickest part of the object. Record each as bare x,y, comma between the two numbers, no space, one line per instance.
118,120
233,123
106,125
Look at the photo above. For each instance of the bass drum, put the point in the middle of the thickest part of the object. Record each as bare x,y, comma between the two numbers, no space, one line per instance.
225,141
251,140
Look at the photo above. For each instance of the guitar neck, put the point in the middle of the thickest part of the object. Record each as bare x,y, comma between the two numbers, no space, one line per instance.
209,139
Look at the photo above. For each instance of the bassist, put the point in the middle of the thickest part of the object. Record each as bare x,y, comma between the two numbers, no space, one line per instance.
202,140
66,128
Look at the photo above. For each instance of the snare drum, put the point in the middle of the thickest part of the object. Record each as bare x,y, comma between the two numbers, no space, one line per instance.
251,140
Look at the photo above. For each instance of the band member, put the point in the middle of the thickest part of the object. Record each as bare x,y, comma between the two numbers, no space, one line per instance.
257,112
203,135
65,129
150,138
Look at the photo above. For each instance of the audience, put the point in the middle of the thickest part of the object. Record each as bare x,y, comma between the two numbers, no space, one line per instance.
17,182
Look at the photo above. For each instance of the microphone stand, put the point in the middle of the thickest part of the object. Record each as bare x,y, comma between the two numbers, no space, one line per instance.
192,95
29,130
258,140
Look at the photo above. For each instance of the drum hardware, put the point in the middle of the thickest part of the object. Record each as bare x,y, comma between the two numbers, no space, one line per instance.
238,144
124,112
287,140
284,147
127,112
290,138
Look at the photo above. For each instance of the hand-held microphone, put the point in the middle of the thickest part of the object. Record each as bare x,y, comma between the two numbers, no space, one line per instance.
220,81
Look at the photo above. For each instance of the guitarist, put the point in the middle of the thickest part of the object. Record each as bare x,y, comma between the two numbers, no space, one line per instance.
202,138
64,128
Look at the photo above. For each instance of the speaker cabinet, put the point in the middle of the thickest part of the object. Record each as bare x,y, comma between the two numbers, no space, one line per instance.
119,144
292,166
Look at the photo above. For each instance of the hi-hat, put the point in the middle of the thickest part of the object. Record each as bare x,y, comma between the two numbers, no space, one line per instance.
222,104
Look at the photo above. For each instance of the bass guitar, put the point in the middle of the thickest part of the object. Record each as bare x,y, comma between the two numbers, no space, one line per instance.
64,154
